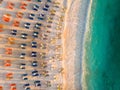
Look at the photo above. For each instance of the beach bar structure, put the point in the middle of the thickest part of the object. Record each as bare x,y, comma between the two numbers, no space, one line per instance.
31,45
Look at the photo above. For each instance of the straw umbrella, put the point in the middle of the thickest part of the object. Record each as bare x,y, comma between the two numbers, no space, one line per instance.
59,87
58,47
61,18
48,83
48,26
58,36
49,21
50,18
59,23
48,31
64,9
59,56
56,6
43,46
58,28
53,66
61,70
52,11
44,65
55,77
56,3
53,41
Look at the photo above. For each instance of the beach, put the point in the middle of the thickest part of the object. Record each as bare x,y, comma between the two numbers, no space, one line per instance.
73,36
71,18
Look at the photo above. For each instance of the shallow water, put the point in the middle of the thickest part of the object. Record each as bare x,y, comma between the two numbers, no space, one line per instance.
103,52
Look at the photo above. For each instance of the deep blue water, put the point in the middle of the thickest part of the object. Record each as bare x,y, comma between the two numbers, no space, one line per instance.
103,51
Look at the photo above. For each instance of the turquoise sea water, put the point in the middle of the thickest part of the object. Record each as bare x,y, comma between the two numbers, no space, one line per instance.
103,49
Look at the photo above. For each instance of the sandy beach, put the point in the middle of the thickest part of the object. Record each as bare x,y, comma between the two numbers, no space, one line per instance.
72,42
73,36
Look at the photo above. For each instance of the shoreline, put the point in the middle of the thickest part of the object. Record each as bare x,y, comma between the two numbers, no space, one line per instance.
73,38
87,29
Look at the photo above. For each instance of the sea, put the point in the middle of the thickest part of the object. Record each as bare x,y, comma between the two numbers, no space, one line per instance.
102,46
